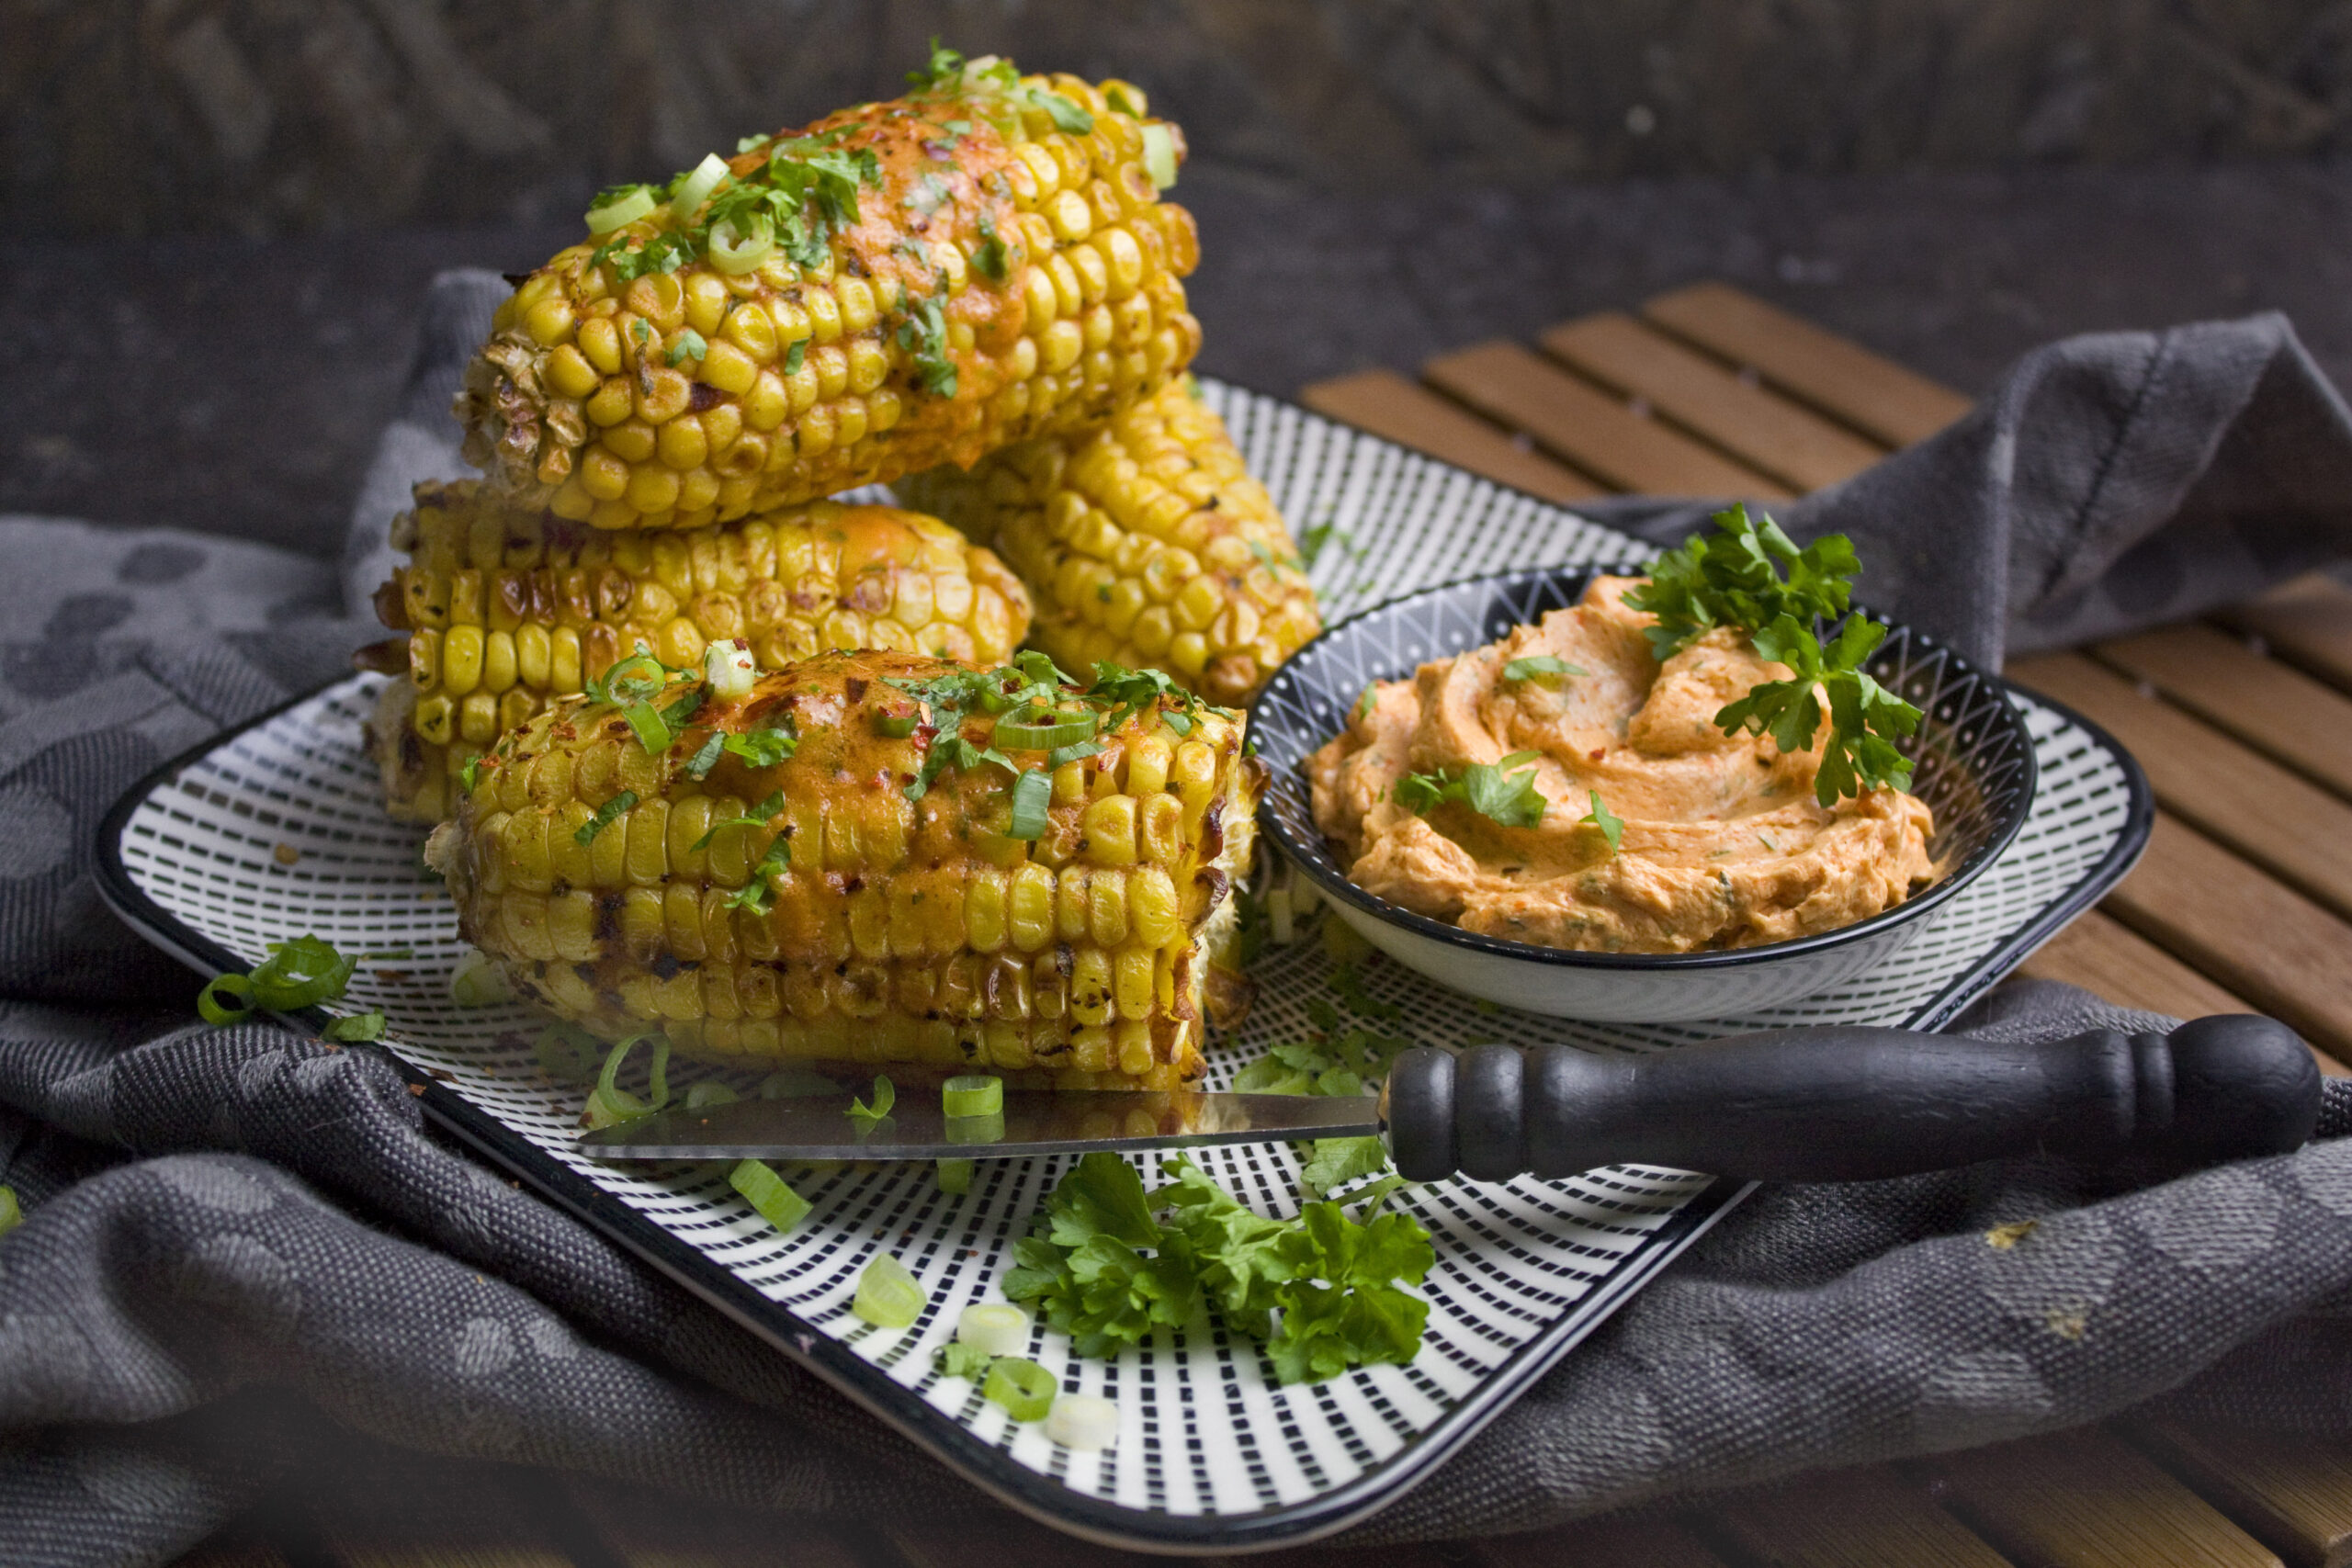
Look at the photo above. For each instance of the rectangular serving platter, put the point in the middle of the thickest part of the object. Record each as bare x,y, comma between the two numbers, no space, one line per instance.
276,831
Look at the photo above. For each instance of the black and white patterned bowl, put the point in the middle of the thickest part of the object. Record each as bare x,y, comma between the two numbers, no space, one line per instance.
1972,763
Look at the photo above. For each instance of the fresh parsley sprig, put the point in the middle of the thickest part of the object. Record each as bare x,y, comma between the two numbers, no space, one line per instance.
1503,797
1751,576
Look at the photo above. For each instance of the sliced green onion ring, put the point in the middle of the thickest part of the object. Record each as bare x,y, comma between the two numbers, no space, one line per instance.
735,253
1082,1421
766,1191
235,987
1032,728
1025,1389
989,1129
1160,155
709,1091
301,974
610,1103
955,1176
652,730
696,188
973,1094
621,211
636,679
1033,798
894,725
887,1296
998,1327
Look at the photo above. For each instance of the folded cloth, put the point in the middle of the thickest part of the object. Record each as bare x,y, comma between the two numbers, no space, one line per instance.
230,1231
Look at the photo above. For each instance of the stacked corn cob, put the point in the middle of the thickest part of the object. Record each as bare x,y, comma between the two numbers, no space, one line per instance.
879,904
1146,542
981,262
507,606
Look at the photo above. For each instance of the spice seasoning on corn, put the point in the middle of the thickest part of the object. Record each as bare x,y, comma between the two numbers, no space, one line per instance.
508,607
984,260
1146,542
904,910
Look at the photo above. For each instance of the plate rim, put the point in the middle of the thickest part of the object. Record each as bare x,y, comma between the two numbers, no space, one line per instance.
1332,885
985,1465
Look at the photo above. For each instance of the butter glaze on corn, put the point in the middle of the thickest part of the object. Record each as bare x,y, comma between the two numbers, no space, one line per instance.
507,606
1145,543
586,396
910,932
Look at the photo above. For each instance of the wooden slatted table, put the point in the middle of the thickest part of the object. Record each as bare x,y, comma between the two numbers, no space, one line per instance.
1708,392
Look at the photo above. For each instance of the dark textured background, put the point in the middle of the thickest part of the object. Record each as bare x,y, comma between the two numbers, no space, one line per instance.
220,214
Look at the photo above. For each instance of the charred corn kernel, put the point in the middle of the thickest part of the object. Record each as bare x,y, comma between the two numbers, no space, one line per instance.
1081,226
855,925
783,583
1145,543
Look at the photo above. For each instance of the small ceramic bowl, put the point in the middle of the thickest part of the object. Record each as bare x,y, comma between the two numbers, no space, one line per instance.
1972,763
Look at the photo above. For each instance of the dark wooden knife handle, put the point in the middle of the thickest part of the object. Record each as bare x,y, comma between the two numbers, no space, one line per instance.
1852,1103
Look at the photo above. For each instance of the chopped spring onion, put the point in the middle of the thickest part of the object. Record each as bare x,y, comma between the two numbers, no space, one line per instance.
652,730
989,1129
12,1213
1160,155
886,1094
997,1327
895,726
730,667
766,1191
610,1103
1032,795
1082,1421
1025,1389
586,832
356,1029
478,981
226,1000
736,252
954,1176
632,680
632,204
1042,730
695,187
709,1091
956,1360
301,972
973,1094
887,1296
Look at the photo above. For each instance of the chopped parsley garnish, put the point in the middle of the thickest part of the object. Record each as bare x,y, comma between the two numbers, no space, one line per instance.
1751,576
1612,826
1311,544
796,355
1365,704
796,200
607,815
758,816
690,346
948,73
991,257
756,892
1506,799
1109,1262
355,1029
957,1360
923,334
929,194
470,776
761,747
698,766
1537,666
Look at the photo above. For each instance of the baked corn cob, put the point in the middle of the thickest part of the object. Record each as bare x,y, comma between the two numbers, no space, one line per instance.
901,284
920,882
1144,543
506,606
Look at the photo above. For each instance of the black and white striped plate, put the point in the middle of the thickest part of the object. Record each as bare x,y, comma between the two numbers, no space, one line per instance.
1212,1454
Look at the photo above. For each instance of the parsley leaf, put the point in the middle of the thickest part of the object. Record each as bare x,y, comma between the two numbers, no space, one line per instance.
1505,798
923,334
1537,666
1732,577
957,1360
760,748
756,817
1864,714
991,257
606,814
1612,827
690,346
794,355
757,892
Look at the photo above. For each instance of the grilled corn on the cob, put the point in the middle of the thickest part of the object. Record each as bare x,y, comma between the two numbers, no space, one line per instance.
901,284
921,881
1145,543
507,606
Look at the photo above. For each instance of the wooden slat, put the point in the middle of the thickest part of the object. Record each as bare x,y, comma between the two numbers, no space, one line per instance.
1389,405
2291,828
1875,396
1596,1543
2268,943
1855,1518
1578,421
2292,1492
2113,961
1762,429
2274,709
2084,1500
2307,623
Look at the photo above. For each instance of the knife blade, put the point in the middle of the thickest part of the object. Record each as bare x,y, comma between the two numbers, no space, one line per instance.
1034,1121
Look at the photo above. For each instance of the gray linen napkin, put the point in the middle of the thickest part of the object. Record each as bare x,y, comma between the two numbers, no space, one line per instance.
231,1232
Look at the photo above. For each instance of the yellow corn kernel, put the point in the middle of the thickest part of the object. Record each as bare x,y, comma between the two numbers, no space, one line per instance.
601,344
498,661
1154,912
462,651
647,861
570,374
551,320
729,369
1131,983
477,717
1107,915
1163,830
1030,916
1195,773
752,329
662,395
1108,830
855,299
1131,1039
682,443
564,672
435,718
707,301
824,315
1089,986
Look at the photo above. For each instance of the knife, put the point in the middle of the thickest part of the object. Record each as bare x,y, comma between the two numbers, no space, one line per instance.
1833,1103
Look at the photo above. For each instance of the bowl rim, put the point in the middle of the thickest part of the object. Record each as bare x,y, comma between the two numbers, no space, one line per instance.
1336,885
